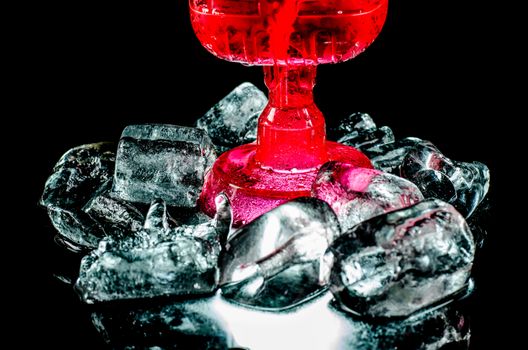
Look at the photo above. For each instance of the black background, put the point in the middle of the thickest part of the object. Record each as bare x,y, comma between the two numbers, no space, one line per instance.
91,68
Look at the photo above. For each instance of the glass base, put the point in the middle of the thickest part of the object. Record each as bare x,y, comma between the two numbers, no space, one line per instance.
254,190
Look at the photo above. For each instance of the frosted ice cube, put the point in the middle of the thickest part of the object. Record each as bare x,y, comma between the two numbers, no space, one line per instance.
162,161
75,178
233,120
158,260
115,216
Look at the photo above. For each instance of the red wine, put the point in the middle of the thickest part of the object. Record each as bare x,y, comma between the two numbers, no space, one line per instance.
262,32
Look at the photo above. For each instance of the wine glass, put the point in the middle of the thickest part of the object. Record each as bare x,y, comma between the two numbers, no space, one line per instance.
289,38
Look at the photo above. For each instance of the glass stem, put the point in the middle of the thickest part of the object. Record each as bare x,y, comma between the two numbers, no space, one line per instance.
291,131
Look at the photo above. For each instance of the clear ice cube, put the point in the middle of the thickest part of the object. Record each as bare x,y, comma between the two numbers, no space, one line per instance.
116,217
398,263
77,231
480,221
389,156
233,120
351,126
162,161
357,194
158,260
359,130
462,184
75,178
377,137
274,262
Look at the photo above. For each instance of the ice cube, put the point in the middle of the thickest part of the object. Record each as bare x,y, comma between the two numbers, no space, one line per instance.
233,120
398,263
471,182
357,194
169,325
462,184
76,177
116,217
373,138
434,184
274,262
389,156
351,126
77,173
359,130
480,221
158,260
77,231
162,161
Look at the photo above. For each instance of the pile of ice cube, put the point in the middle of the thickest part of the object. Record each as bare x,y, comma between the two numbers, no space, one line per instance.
386,242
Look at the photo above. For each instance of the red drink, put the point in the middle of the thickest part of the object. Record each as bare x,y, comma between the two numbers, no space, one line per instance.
296,32
288,37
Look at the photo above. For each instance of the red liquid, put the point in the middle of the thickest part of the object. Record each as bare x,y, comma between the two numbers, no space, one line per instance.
288,37
289,31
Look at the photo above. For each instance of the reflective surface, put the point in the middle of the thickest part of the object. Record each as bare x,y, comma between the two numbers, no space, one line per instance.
130,72
216,324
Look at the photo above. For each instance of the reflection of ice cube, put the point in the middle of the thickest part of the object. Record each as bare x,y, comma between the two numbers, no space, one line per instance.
319,325
162,161
76,177
395,264
462,184
274,261
233,120
357,194
171,325
158,260
443,328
